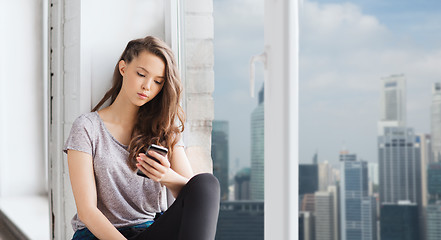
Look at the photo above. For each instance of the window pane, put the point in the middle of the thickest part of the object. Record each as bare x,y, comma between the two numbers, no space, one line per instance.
238,128
370,122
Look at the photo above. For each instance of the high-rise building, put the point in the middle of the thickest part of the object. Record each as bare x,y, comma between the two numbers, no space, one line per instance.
324,175
306,226
434,182
219,154
357,209
393,101
326,214
335,191
315,158
346,157
308,178
399,221
257,150
399,165
369,218
373,172
373,177
433,213
436,122
308,203
240,220
242,184
426,153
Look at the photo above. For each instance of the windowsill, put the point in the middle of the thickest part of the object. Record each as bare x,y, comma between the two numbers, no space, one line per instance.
30,214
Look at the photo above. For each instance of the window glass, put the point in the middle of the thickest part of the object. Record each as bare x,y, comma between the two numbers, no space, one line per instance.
238,136
370,124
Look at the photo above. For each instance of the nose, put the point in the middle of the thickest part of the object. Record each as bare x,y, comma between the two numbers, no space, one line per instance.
146,85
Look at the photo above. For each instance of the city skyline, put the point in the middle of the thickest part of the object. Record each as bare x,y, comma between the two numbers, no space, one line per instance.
340,77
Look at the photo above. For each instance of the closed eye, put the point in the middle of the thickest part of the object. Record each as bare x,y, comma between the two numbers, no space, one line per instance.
158,82
139,74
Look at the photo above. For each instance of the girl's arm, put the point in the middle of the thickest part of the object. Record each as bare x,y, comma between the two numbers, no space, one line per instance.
84,189
174,174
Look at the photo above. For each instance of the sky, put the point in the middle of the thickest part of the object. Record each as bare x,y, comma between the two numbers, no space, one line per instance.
345,49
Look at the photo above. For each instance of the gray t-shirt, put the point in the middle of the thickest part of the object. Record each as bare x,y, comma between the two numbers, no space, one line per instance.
122,196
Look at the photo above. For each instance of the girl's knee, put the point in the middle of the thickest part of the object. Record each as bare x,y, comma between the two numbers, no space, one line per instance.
205,182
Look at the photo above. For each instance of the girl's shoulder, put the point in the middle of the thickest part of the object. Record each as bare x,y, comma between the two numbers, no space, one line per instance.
87,119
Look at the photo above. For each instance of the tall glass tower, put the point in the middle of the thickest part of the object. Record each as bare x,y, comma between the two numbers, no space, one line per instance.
399,165
257,151
357,209
436,122
219,154
393,99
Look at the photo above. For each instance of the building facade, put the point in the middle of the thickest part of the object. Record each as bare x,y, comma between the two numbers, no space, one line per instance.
257,150
393,100
240,220
399,165
324,215
434,182
433,213
242,184
306,226
308,178
399,221
435,122
220,155
357,209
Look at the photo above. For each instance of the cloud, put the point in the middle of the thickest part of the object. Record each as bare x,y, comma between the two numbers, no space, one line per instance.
343,54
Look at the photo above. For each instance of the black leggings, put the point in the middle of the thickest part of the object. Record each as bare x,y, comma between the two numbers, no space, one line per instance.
193,215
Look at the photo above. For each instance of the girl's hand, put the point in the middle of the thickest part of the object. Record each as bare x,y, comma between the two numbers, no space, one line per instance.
151,168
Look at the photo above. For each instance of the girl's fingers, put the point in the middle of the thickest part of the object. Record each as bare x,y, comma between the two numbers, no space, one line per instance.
162,159
157,172
163,165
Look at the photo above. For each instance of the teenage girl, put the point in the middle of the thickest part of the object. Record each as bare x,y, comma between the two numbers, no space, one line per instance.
106,147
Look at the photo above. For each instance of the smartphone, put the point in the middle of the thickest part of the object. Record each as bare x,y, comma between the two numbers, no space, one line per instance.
161,150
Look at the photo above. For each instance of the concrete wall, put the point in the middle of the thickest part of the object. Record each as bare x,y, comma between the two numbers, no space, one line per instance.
199,82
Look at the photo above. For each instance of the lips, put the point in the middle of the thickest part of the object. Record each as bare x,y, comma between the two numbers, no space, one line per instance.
142,95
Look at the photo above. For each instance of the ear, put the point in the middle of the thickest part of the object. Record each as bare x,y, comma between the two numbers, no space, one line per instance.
122,67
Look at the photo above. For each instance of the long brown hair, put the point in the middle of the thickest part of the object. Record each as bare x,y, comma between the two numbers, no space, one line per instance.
156,120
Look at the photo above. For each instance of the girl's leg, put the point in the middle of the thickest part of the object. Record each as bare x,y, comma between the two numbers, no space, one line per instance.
193,215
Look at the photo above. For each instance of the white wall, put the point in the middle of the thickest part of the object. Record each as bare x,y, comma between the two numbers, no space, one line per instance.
105,31
22,164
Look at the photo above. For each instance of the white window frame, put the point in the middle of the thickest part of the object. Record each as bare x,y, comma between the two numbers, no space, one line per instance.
281,119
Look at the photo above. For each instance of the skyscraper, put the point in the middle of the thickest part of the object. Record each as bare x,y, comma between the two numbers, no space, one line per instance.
257,150
373,177
399,221
426,153
399,165
345,156
306,227
357,209
433,213
434,182
308,178
324,175
393,100
436,122
219,154
326,214
242,184
369,217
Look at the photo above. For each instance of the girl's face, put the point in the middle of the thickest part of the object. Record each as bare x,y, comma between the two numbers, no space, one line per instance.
143,78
